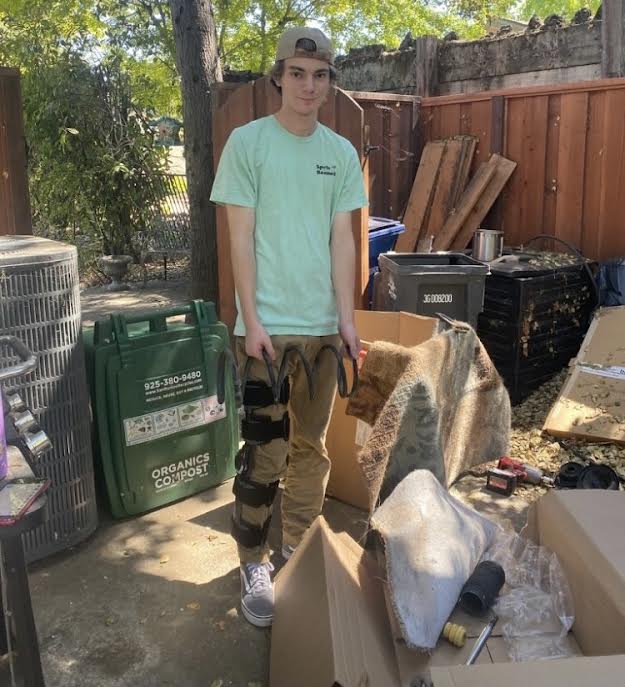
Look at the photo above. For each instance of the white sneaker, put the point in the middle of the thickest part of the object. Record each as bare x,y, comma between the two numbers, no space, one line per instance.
257,593
287,551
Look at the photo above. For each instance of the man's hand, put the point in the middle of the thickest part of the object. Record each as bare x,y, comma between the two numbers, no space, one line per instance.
257,339
350,339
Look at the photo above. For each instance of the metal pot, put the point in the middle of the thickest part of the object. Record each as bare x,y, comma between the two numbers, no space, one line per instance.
487,245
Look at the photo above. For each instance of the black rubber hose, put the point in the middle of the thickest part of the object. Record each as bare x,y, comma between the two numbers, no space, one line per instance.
341,375
225,356
305,364
577,252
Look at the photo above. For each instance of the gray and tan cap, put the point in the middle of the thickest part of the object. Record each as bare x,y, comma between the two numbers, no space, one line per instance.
287,45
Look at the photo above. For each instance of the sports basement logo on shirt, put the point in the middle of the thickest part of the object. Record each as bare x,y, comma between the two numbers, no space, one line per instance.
326,170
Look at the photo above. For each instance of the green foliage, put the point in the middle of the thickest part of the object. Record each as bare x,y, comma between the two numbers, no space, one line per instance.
565,8
94,170
248,32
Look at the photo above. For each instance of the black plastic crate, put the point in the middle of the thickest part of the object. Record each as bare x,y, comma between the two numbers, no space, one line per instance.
533,323
431,283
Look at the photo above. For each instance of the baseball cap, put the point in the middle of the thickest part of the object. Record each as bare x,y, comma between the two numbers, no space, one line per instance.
321,48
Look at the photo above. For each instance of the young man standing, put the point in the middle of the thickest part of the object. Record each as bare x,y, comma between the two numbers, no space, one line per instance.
289,185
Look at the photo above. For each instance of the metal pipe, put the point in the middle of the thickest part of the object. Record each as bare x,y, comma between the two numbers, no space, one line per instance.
481,641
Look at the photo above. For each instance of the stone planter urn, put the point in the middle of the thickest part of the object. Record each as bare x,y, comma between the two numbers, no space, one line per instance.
115,267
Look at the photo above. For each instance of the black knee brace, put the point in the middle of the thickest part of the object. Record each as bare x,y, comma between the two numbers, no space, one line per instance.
257,430
255,495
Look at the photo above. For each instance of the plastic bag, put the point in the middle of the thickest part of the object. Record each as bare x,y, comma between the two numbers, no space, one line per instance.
535,607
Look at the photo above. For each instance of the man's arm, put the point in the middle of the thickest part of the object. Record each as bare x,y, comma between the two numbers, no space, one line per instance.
343,254
241,223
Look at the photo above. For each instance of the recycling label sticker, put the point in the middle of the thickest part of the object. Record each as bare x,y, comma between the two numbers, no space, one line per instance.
168,421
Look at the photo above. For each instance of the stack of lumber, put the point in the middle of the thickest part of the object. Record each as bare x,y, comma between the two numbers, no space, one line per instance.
444,211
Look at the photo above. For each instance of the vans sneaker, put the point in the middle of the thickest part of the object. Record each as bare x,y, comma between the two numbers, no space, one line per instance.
257,593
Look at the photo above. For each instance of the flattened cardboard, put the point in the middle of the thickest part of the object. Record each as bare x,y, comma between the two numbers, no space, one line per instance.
585,530
346,434
330,625
606,671
591,404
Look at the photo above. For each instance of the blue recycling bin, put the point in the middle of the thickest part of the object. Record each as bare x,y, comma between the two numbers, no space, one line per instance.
383,235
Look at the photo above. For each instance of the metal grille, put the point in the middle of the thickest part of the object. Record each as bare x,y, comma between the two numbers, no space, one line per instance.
40,304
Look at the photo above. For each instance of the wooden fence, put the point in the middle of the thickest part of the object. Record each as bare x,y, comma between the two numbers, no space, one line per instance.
14,199
569,144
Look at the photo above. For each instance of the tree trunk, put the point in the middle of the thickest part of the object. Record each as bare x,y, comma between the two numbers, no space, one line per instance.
198,64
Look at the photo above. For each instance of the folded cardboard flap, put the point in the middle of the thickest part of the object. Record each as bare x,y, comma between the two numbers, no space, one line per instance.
330,624
346,434
590,403
605,671
585,530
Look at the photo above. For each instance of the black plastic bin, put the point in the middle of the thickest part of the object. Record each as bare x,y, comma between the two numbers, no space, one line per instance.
534,322
429,283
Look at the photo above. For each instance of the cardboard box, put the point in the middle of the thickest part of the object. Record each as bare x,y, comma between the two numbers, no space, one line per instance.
330,625
584,528
332,628
590,405
606,671
346,435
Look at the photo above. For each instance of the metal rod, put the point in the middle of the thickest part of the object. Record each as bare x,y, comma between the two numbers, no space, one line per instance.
481,641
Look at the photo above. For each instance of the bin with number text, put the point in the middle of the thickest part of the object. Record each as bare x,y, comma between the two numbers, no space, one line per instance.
160,432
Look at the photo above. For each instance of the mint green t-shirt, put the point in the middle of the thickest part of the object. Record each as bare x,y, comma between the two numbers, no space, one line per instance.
296,184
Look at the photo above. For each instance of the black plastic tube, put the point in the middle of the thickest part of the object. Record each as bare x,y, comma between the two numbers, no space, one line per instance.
481,589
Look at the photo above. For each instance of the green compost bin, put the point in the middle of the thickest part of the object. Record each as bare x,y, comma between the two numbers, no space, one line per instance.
160,433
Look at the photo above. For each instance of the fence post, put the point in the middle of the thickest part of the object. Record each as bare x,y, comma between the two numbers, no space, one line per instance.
426,65
613,38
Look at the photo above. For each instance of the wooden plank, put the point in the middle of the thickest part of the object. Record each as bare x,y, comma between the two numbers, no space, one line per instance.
612,209
378,157
466,119
237,111
525,91
222,91
503,172
593,173
481,127
497,124
327,113
450,121
551,171
350,124
514,150
421,195
441,207
531,175
394,146
406,163
267,100
497,141
469,143
571,160
467,202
